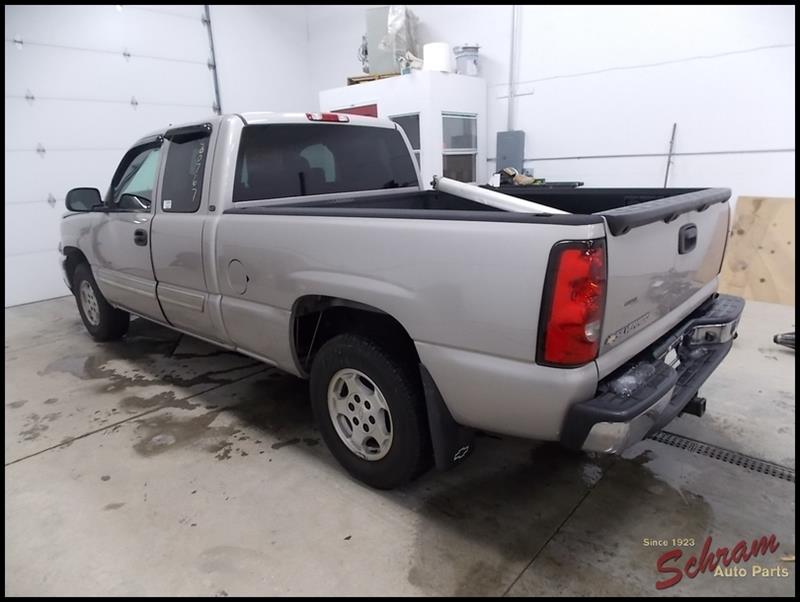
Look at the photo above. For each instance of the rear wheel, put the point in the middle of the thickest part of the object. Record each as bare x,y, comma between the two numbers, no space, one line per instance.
104,322
370,410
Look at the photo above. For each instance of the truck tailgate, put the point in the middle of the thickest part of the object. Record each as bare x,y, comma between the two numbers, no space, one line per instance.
656,269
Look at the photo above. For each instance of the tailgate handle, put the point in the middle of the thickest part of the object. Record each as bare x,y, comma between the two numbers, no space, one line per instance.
687,238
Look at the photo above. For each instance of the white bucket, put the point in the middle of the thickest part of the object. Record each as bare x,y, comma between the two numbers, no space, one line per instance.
466,59
436,56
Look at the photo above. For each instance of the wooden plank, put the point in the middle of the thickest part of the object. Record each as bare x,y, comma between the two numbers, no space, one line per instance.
358,79
759,260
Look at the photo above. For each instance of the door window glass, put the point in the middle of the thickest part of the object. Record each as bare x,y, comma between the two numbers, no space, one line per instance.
133,189
183,174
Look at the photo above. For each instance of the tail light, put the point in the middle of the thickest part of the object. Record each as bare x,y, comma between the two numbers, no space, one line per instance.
327,117
573,303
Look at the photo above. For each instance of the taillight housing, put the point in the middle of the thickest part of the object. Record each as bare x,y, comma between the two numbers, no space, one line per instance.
328,117
573,303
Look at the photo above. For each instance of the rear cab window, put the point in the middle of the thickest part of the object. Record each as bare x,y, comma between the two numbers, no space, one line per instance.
289,160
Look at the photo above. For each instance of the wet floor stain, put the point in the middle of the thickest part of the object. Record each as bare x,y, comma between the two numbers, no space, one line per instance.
275,405
135,404
281,444
478,528
114,506
599,551
51,400
35,425
147,356
15,405
165,432
105,477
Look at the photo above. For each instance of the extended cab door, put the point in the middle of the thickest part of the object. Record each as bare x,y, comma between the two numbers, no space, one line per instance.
178,231
121,238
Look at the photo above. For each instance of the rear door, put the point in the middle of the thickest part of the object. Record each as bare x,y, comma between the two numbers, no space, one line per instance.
121,237
178,229
656,272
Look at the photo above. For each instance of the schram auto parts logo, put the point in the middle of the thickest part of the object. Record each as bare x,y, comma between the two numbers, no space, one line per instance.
722,562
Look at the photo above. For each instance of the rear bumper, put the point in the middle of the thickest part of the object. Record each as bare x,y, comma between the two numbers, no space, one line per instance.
645,394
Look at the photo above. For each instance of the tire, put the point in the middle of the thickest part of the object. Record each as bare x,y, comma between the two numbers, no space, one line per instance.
396,385
104,322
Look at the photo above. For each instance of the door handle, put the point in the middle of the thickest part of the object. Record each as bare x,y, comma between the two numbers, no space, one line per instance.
687,238
140,237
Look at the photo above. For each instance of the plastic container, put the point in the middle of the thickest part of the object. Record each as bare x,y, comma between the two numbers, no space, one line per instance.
467,59
436,57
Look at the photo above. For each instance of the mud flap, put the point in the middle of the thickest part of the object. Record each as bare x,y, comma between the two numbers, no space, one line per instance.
451,441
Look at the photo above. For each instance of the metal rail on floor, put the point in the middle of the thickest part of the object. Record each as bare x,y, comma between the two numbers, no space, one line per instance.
725,455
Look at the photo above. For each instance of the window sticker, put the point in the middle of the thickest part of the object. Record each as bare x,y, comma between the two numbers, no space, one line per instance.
167,204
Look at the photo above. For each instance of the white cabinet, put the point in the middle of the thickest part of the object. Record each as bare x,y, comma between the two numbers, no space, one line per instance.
443,114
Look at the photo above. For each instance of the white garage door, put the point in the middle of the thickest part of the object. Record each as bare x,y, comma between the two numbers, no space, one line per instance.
82,84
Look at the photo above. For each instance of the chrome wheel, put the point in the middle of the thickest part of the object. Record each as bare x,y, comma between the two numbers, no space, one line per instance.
360,414
91,309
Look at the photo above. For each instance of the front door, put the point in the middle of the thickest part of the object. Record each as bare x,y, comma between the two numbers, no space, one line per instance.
121,240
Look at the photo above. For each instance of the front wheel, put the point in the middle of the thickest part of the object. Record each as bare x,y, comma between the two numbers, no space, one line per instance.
104,322
370,410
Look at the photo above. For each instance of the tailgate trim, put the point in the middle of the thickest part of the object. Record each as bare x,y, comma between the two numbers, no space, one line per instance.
623,219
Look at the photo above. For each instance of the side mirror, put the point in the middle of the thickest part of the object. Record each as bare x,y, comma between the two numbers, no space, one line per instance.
83,199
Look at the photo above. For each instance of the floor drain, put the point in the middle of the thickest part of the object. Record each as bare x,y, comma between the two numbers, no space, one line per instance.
725,455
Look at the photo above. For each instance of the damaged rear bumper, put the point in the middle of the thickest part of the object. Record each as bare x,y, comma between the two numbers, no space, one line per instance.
645,394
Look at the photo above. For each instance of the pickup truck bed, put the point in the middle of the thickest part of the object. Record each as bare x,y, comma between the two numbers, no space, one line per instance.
582,201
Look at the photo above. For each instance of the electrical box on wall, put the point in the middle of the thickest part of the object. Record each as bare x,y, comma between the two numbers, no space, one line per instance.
510,149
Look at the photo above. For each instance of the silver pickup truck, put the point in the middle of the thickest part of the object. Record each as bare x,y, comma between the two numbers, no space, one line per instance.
585,316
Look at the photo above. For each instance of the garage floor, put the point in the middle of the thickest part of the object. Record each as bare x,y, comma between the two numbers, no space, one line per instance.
161,465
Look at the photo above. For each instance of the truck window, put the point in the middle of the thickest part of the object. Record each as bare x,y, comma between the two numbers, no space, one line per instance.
132,188
287,160
320,156
183,173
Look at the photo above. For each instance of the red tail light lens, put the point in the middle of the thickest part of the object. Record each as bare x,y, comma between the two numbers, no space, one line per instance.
328,117
574,299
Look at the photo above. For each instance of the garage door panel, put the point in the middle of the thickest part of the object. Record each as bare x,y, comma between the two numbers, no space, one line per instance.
88,125
105,77
34,277
139,31
42,237
71,60
35,177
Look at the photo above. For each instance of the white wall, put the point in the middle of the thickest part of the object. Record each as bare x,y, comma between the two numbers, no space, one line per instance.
263,58
71,59
597,81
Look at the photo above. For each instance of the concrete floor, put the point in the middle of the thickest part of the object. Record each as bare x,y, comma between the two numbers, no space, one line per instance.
161,465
